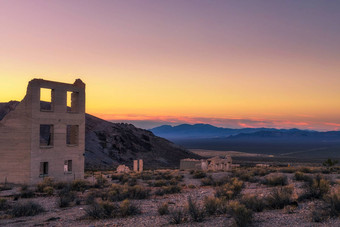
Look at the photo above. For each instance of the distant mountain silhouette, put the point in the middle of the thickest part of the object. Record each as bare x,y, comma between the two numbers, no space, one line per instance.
200,131
292,142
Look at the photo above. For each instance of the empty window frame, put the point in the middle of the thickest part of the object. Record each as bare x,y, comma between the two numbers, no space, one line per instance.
72,135
46,99
43,168
68,166
46,135
72,101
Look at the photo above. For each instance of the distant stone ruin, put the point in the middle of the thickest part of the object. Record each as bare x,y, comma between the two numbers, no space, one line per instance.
123,169
138,165
213,164
44,138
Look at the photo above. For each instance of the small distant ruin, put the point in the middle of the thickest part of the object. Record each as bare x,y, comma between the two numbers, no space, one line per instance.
44,138
213,164
123,169
138,165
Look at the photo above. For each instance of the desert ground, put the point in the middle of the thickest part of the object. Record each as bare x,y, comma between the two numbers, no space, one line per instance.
245,196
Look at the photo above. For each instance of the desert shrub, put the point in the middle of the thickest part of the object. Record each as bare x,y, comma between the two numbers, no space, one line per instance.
171,189
66,197
47,182
229,190
25,192
102,210
90,198
5,187
163,209
158,183
146,176
214,205
26,209
79,185
320,215
316,188
261,171
276,180
60,185
305,169
138,192
244,174
164,175
207,181
176,216
279,197
241,215
49,190
192,186
253,202
118,192
127,208
196,213
4,204
199,174
300,176
333,200
100,182
288,170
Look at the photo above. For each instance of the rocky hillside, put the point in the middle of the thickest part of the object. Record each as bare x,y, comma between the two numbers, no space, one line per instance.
111,144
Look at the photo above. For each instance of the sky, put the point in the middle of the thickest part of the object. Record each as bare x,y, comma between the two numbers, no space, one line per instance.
230,63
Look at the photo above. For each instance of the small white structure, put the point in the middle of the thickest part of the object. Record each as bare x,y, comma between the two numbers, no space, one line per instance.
214,164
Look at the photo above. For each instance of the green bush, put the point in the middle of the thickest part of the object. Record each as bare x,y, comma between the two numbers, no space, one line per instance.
279,197
276,180
163,209
49,190
26,209
241,215
300,176
253,202
47,182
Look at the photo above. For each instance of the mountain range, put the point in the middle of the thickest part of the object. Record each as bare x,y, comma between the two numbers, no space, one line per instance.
293,142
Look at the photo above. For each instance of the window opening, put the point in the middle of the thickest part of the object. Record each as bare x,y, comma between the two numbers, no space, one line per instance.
46,135
46,99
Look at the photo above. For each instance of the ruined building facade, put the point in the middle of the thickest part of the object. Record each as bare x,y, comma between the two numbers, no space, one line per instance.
211,164
44,139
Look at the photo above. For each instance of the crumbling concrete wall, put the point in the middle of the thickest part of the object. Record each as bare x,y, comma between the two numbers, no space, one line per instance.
213,164
21,151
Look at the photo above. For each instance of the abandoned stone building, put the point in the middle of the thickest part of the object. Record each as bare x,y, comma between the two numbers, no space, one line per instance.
213,164
40,139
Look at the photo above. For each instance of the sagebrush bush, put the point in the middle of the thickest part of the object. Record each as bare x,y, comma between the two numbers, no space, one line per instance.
333,200
48,190
127,208
102,210
199,174
276,180
300,176
244,174
279,197
26,209
197,214
214,205
25,192
241,215
208,181
316,188
47,182
177,216
80,185
120,192
66,197
229,190
171,189
4,204
253,202
163,209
